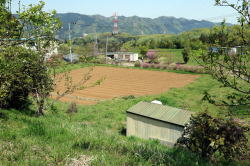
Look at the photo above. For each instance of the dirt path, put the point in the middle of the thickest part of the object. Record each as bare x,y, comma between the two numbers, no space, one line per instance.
122,82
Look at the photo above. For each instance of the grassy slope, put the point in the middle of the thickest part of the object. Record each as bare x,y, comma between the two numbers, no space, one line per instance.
95,131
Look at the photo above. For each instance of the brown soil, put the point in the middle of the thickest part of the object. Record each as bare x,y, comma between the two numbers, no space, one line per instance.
120,82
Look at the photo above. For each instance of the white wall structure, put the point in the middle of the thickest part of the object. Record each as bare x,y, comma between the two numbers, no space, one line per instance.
124,56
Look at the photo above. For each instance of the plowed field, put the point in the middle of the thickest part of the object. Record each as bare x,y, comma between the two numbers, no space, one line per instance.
120,82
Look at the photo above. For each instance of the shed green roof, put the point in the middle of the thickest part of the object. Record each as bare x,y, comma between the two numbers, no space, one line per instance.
161,112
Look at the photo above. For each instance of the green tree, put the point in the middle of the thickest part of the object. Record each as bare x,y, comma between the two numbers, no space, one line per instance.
143,51
231,66
22,67
87,53
186,54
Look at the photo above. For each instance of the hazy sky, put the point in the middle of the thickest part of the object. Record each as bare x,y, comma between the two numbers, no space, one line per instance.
191,9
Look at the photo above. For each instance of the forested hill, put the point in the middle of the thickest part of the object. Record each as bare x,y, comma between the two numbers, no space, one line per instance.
134,25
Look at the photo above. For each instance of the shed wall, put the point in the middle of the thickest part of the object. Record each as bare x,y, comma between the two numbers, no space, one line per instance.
147,128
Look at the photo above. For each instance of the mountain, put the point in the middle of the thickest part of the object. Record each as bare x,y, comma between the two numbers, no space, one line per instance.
81,24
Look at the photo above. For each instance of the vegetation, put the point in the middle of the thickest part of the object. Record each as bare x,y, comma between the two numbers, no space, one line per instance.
206,136
69,132
23,70
94,131
186,54
133,25
21,74
228,65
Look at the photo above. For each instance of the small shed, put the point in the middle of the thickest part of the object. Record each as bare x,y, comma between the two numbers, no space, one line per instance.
154,121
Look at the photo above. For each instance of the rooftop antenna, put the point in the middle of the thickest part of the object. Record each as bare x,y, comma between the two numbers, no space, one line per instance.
115,30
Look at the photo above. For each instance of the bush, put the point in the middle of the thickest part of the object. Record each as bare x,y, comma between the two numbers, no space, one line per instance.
137,64
186,53
153,58
206,136
72,108
128,97
145,65
18,67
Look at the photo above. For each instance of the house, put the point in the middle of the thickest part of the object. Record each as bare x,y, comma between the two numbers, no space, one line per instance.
123,56
155,121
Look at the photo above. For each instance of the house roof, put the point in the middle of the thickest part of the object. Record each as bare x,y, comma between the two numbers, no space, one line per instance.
112,53
161,113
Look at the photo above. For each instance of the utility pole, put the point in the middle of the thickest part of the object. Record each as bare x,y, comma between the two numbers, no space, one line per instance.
107,48
70,45
96,45
19,7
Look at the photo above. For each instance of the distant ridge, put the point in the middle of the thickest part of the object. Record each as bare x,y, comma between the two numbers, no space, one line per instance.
133,25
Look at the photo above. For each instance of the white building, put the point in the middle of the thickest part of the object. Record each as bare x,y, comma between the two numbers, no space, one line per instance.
124,56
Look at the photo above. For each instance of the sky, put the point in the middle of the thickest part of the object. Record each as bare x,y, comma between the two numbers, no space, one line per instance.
190,9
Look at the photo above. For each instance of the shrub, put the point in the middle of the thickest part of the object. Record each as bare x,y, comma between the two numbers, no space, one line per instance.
194,69
206,136
21,72
72,108
153,65
172,67
169,59
145,65
158,66
137,64
186,53
153,58
128,97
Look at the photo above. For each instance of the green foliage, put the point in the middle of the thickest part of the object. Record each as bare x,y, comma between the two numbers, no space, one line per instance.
10,26
186,54
128,97
143,51
20,73
40,25
2,2
25,71
86,52
137,64
229,65
206,136
72,108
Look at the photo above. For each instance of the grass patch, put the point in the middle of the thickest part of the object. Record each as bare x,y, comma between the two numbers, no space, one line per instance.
174,55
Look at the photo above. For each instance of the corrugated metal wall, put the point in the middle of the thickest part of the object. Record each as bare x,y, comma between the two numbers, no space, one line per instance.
147,128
